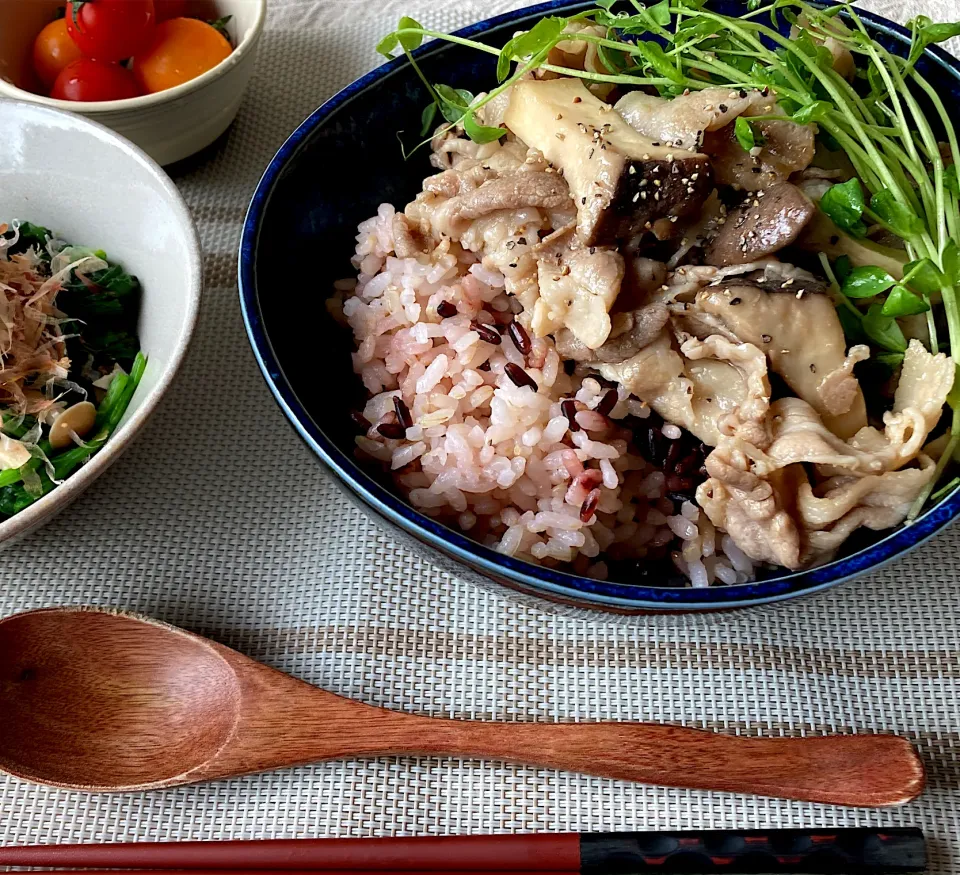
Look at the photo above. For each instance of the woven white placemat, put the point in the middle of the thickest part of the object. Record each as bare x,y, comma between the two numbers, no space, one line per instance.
219,520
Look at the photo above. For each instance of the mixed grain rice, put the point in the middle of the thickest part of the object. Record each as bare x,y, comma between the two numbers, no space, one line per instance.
571,474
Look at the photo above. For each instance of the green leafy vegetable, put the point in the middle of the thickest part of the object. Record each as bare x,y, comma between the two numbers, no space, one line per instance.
812,112
30,236
950,262
923,276
950,181
481,133
866,282
842,268
428,119
883,329
901,220
743,131
844,204
542,36
902,302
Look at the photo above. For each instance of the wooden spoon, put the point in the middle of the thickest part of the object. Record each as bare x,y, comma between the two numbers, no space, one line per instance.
105,701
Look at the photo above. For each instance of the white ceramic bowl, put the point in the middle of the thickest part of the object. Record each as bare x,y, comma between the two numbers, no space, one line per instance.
109,195
169,125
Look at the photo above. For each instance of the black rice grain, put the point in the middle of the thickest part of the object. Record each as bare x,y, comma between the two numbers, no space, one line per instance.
520,338
446,309
569,408
392,430
607,403
589,506
403,412
487,334
360,421
519,376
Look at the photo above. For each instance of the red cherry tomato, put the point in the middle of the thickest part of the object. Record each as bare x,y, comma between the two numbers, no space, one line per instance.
87,79
170,9
110,30
52,51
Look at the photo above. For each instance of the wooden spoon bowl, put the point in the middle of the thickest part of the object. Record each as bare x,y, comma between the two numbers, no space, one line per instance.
81,703
101,700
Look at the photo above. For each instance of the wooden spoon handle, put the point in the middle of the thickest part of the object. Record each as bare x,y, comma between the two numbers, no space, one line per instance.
861,770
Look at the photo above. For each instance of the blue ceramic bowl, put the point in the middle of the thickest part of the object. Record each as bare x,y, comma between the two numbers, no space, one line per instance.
331,174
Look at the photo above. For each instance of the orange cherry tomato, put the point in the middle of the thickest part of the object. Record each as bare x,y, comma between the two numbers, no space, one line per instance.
181,49
170,9
53,49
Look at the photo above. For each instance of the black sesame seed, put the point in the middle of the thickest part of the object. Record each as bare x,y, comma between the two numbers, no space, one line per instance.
723,107
569,408
519,376
734,302
520,338
487,334
446,309
766,338
403,412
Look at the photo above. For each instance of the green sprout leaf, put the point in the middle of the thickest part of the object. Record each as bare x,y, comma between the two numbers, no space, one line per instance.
923,276
950,180
950,261
902,302
481,133
812,112
842,268
654,55
660,12
743,131
884,330
388,45
844,204
409,41
428,118
902,220
927,33
542,37
890,359
866,282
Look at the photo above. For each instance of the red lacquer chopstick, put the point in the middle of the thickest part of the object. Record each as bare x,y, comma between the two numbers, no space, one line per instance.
893,850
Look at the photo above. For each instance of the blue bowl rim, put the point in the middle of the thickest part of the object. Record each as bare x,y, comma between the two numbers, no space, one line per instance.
558,584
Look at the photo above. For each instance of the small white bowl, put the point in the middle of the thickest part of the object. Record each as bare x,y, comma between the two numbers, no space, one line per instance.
111,196
169,125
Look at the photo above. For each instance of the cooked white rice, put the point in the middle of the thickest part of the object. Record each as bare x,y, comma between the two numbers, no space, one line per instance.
495,459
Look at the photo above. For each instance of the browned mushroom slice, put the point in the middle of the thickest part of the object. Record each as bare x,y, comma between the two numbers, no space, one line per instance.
787,147
682,121
761,225
620,181
630,332
795,323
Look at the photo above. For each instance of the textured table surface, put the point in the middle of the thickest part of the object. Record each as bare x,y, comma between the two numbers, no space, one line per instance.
219,520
